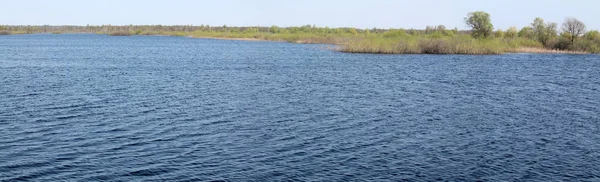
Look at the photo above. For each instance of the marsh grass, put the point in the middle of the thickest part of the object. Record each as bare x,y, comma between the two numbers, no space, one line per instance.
301,38
391,42
425,45
120,33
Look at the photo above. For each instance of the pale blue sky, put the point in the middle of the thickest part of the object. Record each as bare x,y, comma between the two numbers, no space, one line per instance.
332,13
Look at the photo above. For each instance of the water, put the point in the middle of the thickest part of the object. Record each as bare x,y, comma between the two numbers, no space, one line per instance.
93,107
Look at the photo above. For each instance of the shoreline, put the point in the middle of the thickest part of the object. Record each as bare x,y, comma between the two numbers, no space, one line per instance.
226,38
335,47
544,51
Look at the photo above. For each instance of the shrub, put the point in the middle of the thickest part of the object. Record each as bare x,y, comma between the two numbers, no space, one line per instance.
561,43
527,32
592,35
395,34
499,34
511,32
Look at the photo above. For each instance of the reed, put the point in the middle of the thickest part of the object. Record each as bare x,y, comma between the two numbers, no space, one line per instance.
120,33
424,45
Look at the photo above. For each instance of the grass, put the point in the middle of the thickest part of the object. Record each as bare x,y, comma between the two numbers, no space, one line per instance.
392,42
120,33
461,44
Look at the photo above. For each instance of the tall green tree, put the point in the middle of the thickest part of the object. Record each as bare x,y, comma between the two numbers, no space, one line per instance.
480,23
543,32
527,32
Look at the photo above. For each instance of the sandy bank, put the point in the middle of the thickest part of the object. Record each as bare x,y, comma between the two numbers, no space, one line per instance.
545,51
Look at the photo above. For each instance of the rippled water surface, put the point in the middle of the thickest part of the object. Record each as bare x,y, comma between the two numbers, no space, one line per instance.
93,107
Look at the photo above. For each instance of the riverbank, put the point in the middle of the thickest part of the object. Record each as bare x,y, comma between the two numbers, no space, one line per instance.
223,38
366,41
545,51
407,45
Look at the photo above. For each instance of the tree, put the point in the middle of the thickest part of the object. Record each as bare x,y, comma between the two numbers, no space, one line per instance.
441,28
573,28
499,34
511,32
543,32
526,32
353,31
274,29
592,35
480,23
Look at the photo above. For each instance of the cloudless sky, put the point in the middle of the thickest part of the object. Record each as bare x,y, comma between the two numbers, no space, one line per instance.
333,13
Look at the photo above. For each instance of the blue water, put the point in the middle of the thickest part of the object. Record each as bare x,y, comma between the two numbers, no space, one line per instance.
94,107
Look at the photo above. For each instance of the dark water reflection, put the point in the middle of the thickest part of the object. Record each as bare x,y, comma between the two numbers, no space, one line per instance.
91,107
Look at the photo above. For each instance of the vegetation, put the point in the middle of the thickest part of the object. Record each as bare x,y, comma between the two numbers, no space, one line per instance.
120,33
463,44
573,28
543,32
481,39
480,23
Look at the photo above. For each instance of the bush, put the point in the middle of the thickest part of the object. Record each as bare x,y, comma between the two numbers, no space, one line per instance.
591,46
499,34
561,44
395,34
511,32
592,35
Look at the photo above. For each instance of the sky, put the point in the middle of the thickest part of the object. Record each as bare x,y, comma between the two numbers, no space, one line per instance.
406,14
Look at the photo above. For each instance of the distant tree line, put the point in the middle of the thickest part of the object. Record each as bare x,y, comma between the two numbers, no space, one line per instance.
572,35
157,29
